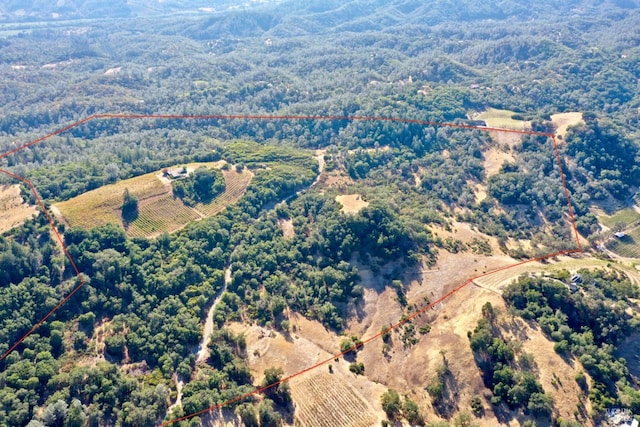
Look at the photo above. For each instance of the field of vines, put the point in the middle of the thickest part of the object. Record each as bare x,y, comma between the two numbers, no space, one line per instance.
235,186
159,211
324,400
101,206
623,218
164,214
628,246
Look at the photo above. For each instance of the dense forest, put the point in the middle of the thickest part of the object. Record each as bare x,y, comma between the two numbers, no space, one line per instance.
111,355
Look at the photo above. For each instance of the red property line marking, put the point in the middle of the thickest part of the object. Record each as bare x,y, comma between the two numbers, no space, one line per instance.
367,341
566,192
267,117
66,252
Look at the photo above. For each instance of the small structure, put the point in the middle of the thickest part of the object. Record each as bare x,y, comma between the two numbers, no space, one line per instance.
178,173
620,234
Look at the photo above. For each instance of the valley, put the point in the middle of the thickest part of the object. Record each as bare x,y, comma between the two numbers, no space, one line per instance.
282,213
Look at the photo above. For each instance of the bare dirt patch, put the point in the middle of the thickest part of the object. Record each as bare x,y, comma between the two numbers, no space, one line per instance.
286,225
494,158
113,71
466,233
480,192
292,352
562,122
13,210
351,203
336,179
507,140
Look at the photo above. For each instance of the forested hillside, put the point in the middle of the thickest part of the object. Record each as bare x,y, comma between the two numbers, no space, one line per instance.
342,227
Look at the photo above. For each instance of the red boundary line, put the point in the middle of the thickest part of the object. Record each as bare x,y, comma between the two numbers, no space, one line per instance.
292,117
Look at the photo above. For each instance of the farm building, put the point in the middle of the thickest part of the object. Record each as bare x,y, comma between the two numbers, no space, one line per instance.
175,173
480,123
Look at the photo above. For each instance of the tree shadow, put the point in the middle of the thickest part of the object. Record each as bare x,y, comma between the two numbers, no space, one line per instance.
447,405
511,325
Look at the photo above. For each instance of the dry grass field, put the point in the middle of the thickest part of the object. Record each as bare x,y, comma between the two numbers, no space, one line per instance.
500,119
158,210
351,203
13,210
562,121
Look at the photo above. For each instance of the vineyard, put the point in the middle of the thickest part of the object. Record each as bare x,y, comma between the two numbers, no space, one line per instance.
164,214
623,218
235,186
323,400
159,210
627,246
102,205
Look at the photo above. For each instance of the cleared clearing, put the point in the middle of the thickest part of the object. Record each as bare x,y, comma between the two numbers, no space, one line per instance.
465,232
159,211
351,203
494,158
562,121
13,210
288,230
500,119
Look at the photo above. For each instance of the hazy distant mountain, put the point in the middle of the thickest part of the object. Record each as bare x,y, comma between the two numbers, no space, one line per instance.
44,10
315,17
307,15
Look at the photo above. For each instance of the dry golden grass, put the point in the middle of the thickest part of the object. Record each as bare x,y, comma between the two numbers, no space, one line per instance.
13,210
498,281
351,203
288,230
562,121
494,158
159,212
501,119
